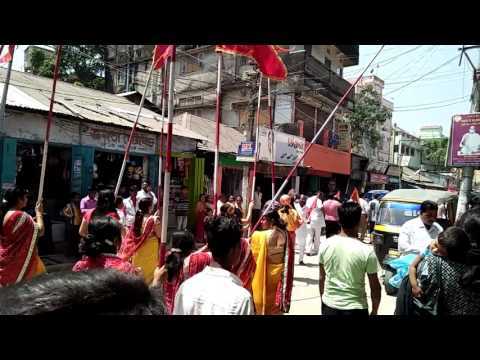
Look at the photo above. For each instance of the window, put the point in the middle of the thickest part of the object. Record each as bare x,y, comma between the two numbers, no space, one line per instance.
189,66
395,148
412,151
121,77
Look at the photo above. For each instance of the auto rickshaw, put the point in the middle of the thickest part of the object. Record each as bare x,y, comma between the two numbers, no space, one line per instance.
396,208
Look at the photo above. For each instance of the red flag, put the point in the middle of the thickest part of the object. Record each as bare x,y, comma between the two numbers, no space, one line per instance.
9,55
355,196
266,57
160,55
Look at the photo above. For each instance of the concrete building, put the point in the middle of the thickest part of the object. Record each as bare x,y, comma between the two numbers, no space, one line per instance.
47,52
406,149
301,103
431,132
372,164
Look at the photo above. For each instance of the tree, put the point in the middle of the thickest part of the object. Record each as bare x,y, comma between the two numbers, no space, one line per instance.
367,113
81,64
435,150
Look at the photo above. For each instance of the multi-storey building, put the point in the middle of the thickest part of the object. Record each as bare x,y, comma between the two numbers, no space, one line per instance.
301,104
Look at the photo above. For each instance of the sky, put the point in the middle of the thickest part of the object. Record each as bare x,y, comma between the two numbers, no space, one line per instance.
432,100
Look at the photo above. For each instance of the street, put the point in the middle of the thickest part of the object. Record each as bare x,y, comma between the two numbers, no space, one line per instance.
306,297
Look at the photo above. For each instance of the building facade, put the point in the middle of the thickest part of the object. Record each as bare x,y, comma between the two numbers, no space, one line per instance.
431,132
301,104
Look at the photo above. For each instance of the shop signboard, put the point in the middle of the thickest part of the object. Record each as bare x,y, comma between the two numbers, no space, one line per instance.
116,139
246,151
288,148
378,178
464,147
246,148
343,137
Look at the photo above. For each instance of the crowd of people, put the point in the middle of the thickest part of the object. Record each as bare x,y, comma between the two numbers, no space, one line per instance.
217,266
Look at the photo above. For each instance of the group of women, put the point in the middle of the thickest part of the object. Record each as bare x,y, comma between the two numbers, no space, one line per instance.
106,243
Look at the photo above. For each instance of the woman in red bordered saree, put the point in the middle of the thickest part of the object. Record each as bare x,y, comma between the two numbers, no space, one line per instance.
19,258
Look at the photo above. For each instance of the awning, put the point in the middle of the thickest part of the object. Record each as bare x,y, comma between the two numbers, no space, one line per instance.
325,159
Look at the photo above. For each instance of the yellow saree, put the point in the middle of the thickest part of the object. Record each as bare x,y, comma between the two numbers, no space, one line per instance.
267,275
146,258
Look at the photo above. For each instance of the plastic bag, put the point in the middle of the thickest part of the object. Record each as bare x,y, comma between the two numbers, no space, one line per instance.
401,265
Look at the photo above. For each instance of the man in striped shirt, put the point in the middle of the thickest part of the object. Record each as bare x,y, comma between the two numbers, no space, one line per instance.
181,209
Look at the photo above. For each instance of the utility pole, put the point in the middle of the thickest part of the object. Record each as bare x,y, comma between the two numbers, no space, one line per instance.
467,172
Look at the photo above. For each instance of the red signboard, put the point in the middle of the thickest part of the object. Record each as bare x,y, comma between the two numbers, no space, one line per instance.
378,178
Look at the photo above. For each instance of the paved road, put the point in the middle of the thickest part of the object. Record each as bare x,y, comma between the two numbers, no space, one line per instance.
306,297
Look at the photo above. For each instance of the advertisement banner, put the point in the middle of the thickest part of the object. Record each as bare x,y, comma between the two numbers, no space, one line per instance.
246,148
465,140
265,144
288,148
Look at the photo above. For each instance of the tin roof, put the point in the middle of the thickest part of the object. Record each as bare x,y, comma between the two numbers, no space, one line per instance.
230,138
32,92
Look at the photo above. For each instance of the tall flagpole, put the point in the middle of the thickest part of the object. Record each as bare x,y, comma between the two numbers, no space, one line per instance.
168,159
160,157
257,133
218,119
3,104
49,123
132,132
315,138
273,138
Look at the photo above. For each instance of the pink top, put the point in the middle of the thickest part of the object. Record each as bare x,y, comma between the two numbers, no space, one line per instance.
104,261
330,207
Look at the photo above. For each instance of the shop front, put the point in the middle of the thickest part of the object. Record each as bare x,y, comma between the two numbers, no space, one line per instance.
377,181
393,173
323,164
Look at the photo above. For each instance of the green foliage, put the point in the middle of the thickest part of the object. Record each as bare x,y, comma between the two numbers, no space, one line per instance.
80,64
435,150
367,113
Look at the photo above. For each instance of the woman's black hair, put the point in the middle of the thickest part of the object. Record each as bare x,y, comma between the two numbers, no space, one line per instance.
456,243
93,292
13,195
104,234
144,206
185,244
274,218
470,223
10,199
105,203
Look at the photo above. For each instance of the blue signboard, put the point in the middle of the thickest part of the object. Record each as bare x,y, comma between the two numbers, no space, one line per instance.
246,148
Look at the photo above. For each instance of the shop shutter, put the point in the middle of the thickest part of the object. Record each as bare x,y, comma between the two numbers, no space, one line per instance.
153,170
9,162
88,156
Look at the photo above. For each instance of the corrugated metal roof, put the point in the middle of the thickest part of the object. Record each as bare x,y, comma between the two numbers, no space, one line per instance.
419,195
230,138
33,92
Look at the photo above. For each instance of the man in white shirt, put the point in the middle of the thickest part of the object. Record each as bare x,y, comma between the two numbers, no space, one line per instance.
301,232
131,205
315,223
216,290
418,233
373,207
364,220
146,191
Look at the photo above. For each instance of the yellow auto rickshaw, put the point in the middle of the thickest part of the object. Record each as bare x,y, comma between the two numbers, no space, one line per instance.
399,206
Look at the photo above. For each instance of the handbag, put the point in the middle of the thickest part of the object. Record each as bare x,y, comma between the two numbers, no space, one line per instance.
430,303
